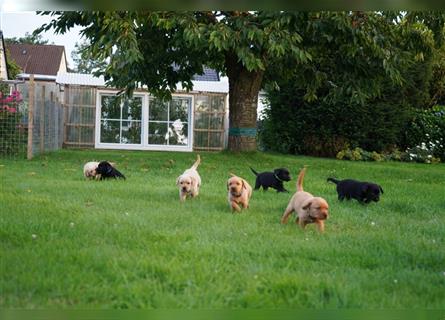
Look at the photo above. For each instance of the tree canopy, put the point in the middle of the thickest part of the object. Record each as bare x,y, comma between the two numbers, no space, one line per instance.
161,49
83,61
29,38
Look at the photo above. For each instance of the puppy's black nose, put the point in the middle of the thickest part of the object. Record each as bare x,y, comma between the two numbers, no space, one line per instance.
184,188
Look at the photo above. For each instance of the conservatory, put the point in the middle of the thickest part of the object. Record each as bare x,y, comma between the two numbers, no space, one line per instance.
95,116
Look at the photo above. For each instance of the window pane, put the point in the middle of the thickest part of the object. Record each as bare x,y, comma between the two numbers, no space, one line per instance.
157,133
109,131
202,103
217,103
158,110
215,140
201,120
216,121
88,115
178,133
131,132
179,109
111,108
132,109
201,139
87,135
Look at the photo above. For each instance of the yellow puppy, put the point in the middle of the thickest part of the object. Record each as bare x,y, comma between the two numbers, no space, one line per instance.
239,193
189,182
309,209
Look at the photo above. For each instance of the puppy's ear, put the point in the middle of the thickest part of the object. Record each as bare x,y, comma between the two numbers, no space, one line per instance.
307,204
381,190
227,185
177,180
243,184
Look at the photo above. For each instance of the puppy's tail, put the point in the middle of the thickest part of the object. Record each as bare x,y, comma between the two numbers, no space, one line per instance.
118,174
333,180
300,179
254,172
197,162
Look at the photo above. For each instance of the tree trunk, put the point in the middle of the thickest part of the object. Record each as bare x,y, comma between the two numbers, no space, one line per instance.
244,87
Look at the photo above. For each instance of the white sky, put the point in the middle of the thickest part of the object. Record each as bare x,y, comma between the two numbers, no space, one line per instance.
16,24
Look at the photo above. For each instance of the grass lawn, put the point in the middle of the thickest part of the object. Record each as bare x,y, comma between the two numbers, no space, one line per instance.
71,243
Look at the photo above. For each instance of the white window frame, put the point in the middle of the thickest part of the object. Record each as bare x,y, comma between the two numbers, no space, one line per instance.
144,125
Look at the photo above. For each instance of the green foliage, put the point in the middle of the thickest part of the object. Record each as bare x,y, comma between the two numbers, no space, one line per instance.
162,48
13,68
132,244
369,72
426,133
29,38
322,128
83,61
13,138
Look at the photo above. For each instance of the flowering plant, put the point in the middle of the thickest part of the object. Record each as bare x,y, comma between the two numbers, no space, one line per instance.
12,137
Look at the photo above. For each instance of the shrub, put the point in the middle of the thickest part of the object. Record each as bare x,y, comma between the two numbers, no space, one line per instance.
420,153
325,127
425,134
12,135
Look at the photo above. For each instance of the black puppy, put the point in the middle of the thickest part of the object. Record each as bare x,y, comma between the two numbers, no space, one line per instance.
106,170
272,179
364,192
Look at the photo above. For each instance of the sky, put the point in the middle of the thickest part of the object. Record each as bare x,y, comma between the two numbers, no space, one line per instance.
16,24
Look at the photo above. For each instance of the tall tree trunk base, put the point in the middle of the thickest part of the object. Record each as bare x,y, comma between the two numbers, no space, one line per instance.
242,143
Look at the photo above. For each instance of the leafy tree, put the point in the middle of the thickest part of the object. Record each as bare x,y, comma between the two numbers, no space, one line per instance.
160,49
13,68
29,38
369,71
83,61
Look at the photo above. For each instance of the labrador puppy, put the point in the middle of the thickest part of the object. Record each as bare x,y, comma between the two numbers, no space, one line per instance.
239,193
272,179
89,170
189,182
106,171
364,192
309,209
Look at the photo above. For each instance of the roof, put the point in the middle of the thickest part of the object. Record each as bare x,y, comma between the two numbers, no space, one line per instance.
40,59
209,75
220,86
80,79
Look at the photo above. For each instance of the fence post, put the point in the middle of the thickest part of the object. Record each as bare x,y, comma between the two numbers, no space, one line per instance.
42,122
65,114
31,96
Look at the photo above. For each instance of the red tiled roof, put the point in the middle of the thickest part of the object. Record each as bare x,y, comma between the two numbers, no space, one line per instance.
37,58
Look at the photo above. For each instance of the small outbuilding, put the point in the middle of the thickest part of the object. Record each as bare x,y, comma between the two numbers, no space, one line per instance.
95,116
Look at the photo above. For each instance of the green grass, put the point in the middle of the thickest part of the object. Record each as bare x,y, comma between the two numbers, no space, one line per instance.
132,244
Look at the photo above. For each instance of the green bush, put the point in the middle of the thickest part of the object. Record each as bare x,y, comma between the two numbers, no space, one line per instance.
325,127
13,136
421,154
425,134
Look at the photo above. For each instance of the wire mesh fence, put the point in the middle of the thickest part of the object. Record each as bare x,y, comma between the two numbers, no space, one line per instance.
31,119
13,121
